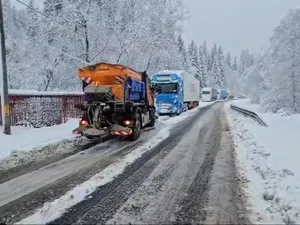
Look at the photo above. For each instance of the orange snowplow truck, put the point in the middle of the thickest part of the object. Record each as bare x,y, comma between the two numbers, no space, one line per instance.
119,101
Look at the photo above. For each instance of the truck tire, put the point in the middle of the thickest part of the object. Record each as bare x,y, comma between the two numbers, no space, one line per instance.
136,131
179,111
152,120
90,137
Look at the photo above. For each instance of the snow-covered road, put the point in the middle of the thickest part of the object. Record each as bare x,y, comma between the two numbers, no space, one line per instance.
174,173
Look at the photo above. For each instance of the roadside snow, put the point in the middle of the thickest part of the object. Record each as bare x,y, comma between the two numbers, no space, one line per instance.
53,210
269,158
24,139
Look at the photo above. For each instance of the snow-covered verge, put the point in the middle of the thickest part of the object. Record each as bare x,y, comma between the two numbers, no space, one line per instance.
27,144
268,157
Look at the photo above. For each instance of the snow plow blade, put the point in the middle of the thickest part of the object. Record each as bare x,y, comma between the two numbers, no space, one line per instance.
120,130
79,130
93,132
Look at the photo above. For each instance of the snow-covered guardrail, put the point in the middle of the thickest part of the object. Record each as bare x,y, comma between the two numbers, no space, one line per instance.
249,113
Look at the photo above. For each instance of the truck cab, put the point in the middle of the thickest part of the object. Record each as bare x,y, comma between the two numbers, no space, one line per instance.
169,88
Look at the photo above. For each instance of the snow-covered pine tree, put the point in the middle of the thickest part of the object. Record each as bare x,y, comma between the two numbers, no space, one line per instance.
221,66
194,59
213,53
234,64
203,66
182,54
215,73
206,58
246,60
228,59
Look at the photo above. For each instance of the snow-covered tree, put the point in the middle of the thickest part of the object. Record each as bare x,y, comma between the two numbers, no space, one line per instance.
274,80
203,65
246,60
228,59
183,54
48,50
234,64
194,59
221,66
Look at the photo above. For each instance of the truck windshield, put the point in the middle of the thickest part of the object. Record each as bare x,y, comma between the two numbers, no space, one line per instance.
166,88
205,92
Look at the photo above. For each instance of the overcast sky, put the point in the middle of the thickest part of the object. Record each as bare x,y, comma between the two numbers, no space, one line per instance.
235,24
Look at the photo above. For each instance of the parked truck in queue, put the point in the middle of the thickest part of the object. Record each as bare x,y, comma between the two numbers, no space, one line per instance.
209,94
222,94
119,101
177,91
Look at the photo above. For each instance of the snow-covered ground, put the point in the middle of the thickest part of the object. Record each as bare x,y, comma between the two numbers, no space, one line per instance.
24,139
268,158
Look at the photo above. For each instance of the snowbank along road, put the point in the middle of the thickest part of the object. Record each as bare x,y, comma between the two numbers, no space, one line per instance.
188,177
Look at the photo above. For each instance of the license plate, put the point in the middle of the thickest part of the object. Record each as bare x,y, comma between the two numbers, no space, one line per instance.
164,110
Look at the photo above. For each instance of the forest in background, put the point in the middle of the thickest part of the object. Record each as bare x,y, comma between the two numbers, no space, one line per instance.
45,51
274,79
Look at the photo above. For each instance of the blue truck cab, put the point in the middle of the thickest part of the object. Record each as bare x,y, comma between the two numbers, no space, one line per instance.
169,88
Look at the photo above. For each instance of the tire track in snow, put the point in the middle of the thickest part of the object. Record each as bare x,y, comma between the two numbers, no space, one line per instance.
25,205
105,202
192,207
72,146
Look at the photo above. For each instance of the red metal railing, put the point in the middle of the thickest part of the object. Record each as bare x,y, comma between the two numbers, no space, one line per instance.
40,109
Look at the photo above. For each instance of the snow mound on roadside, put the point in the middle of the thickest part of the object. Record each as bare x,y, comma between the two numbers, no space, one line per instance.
269,159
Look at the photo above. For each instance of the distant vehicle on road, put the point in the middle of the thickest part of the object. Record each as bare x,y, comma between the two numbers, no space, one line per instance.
230,94
177,91
222,94
209,94
241,96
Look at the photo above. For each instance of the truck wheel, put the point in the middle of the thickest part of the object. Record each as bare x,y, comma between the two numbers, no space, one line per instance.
152,120
90,137
178,112
136,131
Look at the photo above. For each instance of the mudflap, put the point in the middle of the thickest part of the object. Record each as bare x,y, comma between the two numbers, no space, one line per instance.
119,130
